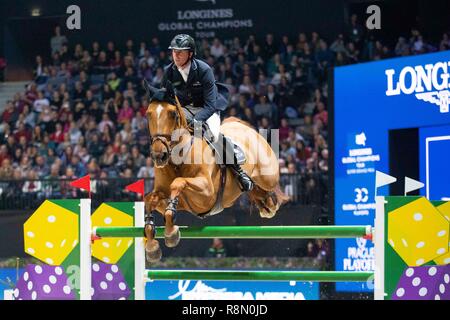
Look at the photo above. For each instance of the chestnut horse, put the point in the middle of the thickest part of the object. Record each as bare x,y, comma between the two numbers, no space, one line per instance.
187,176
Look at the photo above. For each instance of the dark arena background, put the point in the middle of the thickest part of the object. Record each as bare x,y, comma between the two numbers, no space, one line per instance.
358,93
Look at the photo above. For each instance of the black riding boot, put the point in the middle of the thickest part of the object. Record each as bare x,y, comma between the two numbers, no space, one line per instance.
245,181
228,151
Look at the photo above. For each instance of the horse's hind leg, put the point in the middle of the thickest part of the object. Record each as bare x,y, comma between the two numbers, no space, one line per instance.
153,251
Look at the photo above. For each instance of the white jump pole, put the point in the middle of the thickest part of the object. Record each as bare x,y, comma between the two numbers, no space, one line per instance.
378,242
85,249
139,253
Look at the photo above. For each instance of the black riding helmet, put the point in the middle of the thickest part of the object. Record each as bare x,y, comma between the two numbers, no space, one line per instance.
183,42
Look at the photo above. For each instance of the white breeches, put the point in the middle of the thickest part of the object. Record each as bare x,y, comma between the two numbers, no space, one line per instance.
214,125
213,122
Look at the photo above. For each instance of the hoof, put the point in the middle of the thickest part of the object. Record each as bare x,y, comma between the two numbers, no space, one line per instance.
172,240
267,213
153,251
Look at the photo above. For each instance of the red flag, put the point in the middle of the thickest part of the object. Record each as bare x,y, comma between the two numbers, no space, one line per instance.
82,183
137,187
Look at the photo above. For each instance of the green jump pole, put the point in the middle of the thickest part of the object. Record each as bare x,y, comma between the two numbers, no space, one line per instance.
245,232
316,276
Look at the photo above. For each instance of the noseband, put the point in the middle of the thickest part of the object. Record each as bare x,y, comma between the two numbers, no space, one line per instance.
165,140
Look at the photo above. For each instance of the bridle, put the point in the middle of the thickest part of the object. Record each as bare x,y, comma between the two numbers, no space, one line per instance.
166,139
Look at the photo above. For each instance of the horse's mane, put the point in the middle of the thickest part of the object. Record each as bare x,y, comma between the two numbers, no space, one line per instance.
235,119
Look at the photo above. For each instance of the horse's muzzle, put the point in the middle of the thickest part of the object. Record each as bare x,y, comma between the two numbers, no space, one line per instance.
160,158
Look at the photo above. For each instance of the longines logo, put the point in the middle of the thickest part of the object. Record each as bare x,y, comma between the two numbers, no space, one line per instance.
428,83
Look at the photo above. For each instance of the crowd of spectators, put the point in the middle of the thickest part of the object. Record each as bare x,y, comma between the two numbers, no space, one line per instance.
84,111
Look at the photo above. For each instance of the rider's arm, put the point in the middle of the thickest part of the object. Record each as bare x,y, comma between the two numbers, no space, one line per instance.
209,96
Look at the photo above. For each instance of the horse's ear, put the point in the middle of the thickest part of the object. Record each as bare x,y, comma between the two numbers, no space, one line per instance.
149,89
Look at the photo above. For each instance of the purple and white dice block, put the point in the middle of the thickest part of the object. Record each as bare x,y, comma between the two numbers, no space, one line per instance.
43,283
108,282
424,283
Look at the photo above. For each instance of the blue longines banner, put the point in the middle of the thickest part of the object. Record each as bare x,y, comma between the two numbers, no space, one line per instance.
370,99
231,290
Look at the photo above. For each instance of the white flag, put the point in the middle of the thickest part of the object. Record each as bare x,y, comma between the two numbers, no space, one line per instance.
382,179
411,185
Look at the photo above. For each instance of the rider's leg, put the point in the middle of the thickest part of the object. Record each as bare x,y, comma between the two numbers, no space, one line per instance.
229,156
213,123
231,161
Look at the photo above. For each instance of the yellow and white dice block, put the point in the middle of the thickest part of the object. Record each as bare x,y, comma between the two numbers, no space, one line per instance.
110,250
418,232
444,209
51,233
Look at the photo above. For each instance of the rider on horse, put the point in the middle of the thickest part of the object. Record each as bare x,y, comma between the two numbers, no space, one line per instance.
199,94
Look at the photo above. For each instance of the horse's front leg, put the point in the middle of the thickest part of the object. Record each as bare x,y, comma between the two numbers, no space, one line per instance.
152,248
172,232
